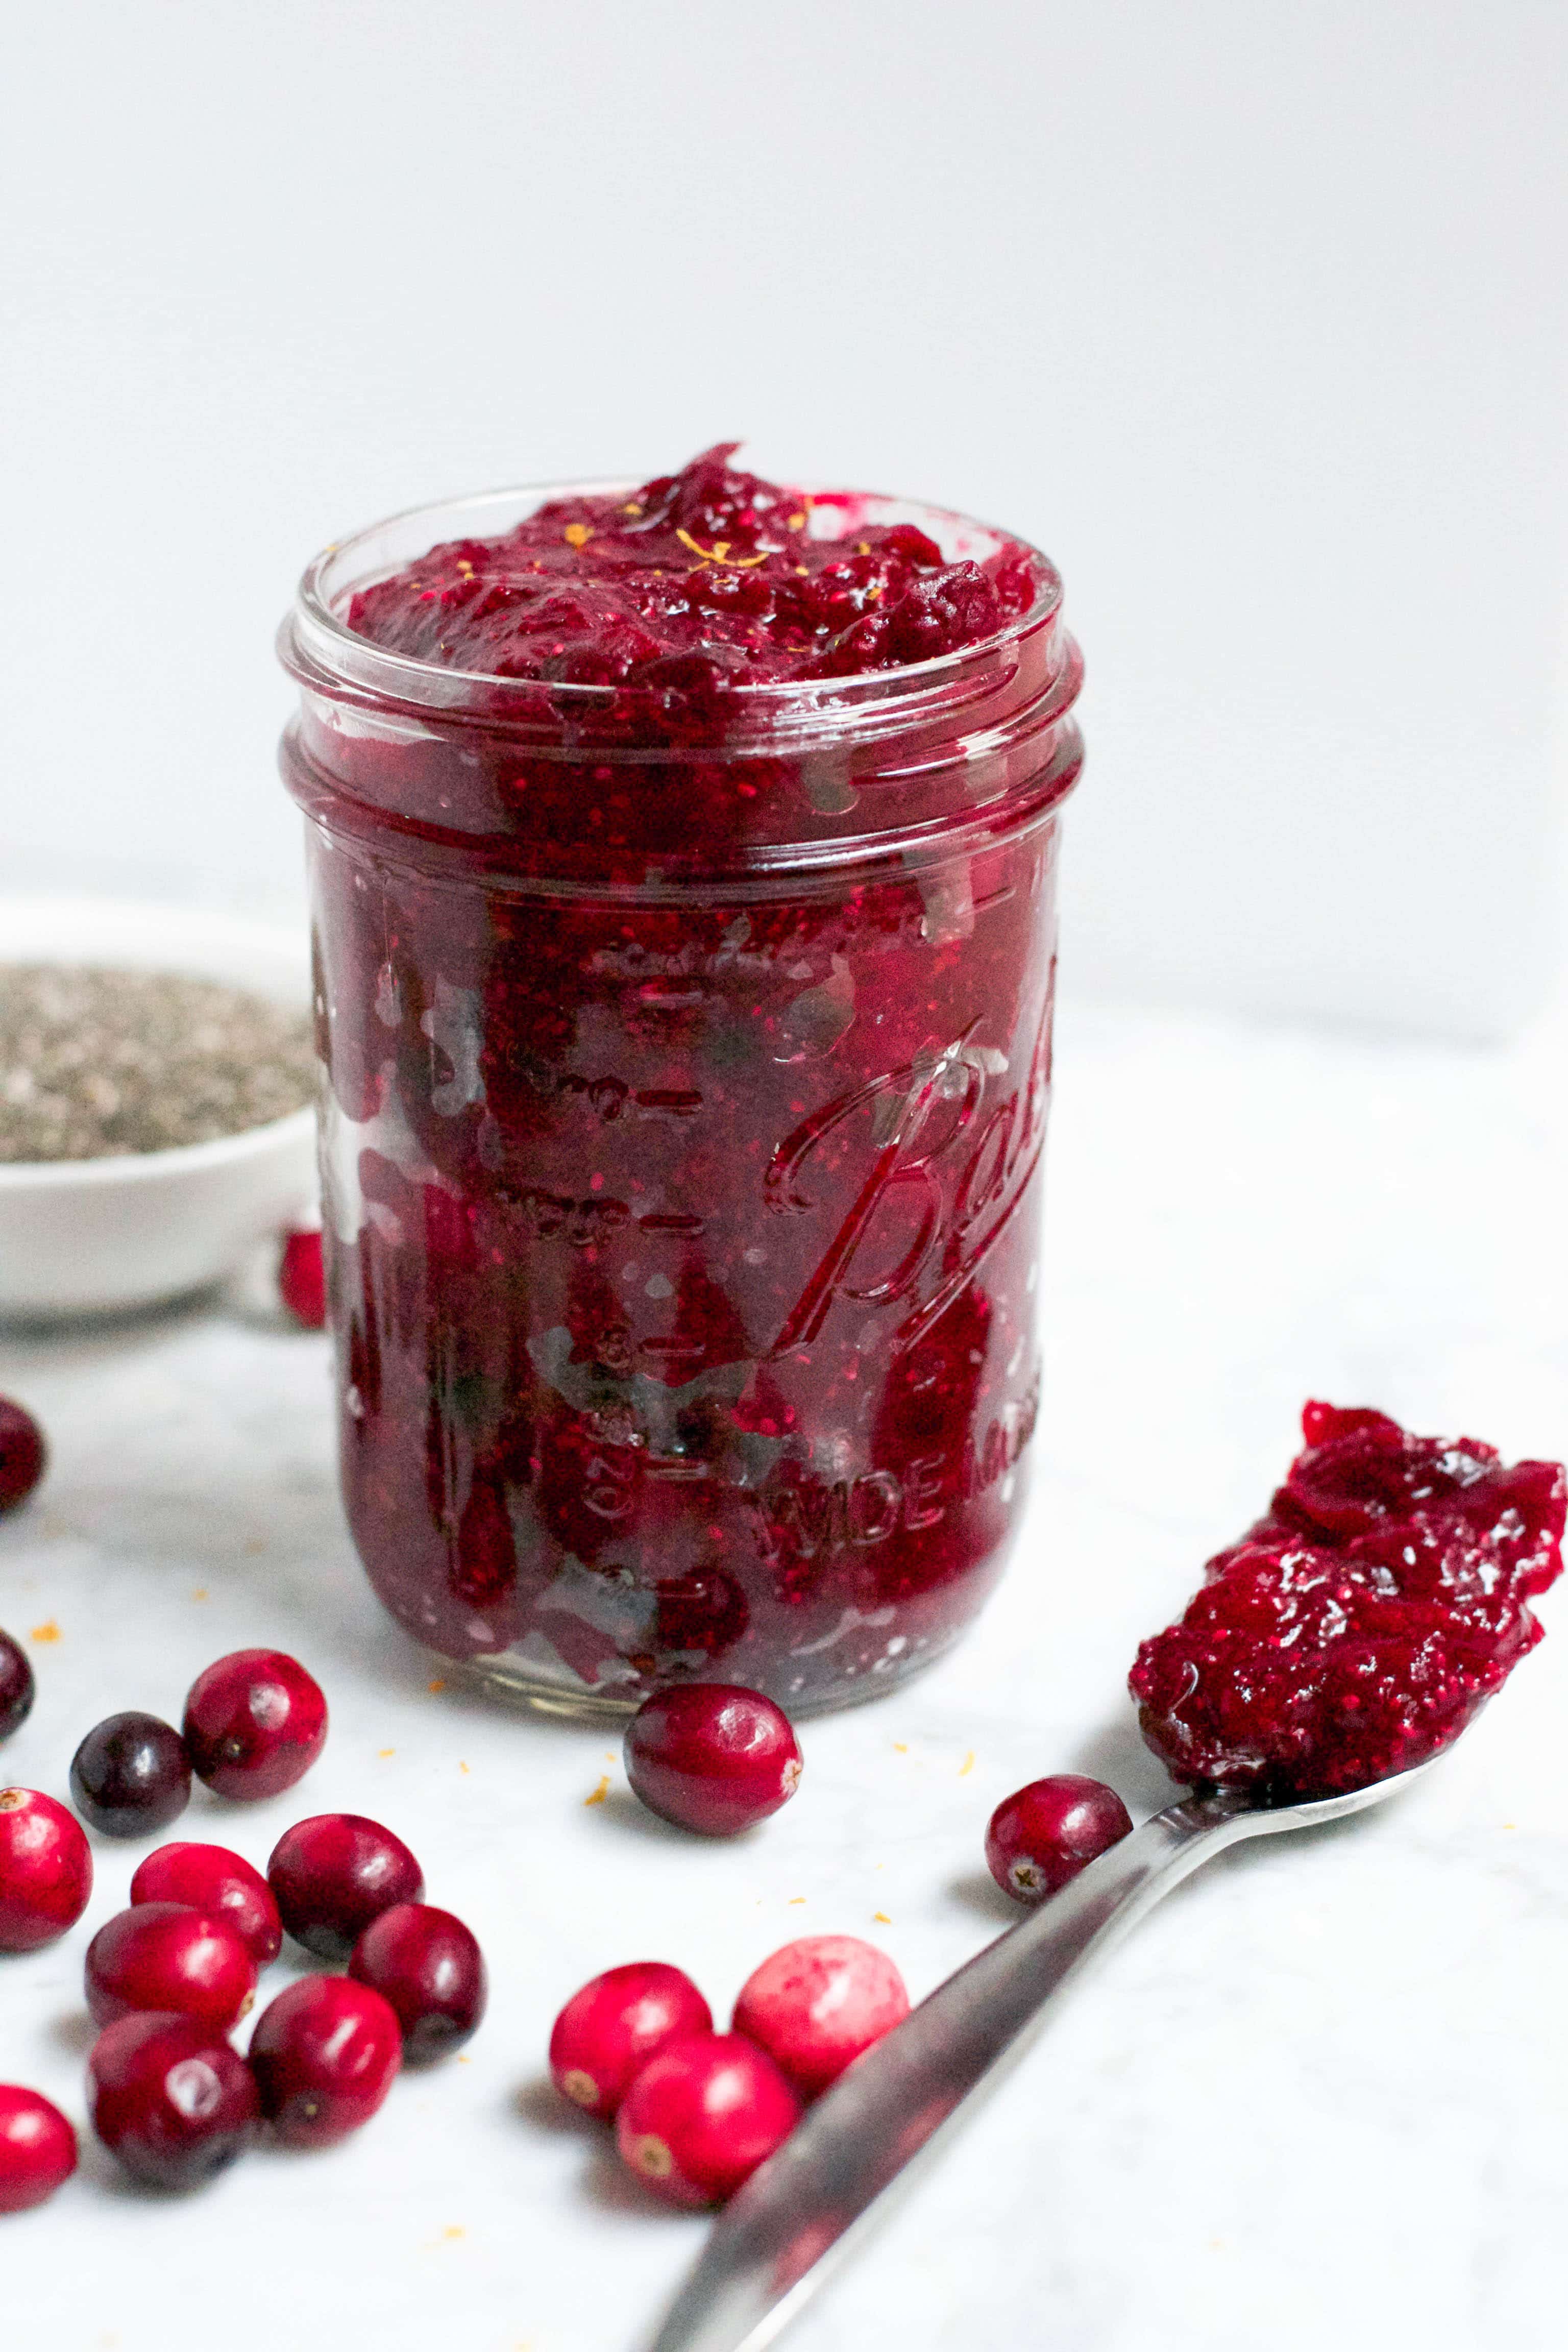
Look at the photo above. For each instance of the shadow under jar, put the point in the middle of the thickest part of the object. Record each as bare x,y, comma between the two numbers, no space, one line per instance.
687,1059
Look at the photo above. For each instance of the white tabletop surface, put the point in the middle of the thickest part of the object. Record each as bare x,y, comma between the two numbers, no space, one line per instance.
1317,2097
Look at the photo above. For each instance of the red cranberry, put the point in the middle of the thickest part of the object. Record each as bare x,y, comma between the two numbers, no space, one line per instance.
131,1776
711,1757
164,1956
38,2148
702,2115
817,2003
171,2099
324,2054
22,1453
1042,1835
301,1279
15,1686
211,1879
429,1966
332,1874
607,2032
45,1870
255,1724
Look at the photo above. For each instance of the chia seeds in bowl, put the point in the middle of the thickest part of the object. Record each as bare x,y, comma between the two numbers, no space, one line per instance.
101,1064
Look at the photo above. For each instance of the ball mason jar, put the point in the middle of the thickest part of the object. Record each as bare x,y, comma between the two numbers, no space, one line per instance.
686,1060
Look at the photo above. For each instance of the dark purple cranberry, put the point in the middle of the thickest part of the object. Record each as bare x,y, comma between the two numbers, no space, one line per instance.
332,1874
711,1757
255,1724
301,1280
23,1454
131,1775
17,1687
45,1870
38,2148
171,2099
324,2054
429,1966
166,1957
1041,1836
223,1885
613,2024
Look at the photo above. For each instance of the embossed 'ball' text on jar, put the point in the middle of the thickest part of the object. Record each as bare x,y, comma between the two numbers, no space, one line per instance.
686,1074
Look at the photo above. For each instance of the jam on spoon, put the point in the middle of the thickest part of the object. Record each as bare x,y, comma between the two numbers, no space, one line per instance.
1356,1628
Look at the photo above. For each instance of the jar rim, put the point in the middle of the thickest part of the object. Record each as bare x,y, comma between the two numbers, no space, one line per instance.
317,646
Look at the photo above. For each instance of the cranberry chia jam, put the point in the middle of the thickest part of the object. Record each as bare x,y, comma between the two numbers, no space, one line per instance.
1356,1630
683,862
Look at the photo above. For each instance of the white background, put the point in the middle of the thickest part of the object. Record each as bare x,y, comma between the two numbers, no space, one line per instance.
1252,315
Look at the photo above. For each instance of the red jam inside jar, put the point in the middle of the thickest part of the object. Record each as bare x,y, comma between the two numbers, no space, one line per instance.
683,863
1357,1628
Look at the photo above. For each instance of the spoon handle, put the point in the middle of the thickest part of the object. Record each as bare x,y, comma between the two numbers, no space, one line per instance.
767,2252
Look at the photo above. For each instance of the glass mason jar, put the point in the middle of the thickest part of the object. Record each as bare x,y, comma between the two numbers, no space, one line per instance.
685,1065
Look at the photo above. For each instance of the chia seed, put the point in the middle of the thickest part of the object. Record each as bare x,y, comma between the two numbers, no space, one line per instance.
97,1065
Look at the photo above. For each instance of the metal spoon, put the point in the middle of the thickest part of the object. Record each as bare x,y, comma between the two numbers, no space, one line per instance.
824,2190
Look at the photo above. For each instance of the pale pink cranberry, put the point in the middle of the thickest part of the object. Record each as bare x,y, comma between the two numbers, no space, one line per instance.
301,1279
429,1966
38,2148
332,1874
45,1870
608,2031
701,2117
817,2003
711,1757
255,1724
166,1957
1043,1835
171,2099
325,2054
222,1885
23,1454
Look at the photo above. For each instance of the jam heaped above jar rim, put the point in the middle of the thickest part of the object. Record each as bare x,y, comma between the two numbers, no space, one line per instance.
488,515
1026,669
878,765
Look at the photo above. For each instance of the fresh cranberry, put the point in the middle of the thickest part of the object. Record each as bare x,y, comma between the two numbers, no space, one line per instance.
164,1956
817,2003
1041,1836
324,2054
711,1757
171,2099
701,2117
429,1966
224,1886
22,1453
15,1686
255,1724
332,1874
301,1279
38,2148
1359,1624
131,1775
607,2032
45,1870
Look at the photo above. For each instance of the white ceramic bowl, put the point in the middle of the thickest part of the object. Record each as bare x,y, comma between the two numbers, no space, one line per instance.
84,1236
